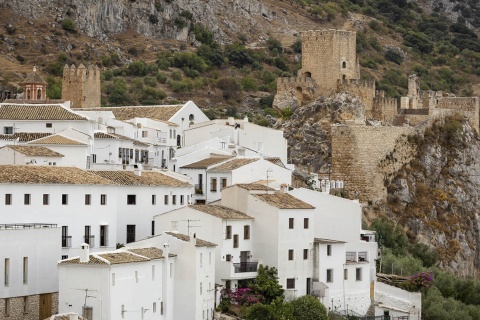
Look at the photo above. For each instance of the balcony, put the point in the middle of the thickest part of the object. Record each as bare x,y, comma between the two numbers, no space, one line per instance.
245,267
90,240
66,241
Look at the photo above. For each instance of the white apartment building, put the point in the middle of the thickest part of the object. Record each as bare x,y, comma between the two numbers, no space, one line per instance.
28,264
267,141
133,283
101,208
236,259
193,274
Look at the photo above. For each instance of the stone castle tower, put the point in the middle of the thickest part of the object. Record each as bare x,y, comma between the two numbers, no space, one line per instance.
329,56
81,86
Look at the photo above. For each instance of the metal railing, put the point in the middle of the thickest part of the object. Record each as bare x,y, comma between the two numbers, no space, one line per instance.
245,267
90,240
27,226
66,241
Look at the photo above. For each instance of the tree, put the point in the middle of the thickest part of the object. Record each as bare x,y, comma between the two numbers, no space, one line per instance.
266,284
309,308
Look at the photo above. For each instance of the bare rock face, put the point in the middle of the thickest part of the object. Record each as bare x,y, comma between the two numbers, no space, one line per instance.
158,19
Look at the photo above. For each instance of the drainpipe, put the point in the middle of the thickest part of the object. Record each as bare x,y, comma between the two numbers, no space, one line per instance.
165,285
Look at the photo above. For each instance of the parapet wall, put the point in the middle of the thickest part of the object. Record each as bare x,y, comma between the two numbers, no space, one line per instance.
363,89
304,89
81,86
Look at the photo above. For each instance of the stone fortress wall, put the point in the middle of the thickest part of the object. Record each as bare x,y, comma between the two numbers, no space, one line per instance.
81,85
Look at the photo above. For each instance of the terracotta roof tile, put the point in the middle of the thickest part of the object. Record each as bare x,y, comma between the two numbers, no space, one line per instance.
254,186
276,160
283,201
49,175
128,178
205,163
122,257
103,135
24,136
37,112
57,139
221,211
163,113
91,260
151,253
233,164
34,151
183,237
33,77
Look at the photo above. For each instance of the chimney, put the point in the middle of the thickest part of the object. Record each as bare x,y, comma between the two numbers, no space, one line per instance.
283,188
231,121
193,239
245,119
137,170
73,317
84,253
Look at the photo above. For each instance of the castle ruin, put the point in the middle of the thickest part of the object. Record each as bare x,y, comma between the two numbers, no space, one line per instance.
81,86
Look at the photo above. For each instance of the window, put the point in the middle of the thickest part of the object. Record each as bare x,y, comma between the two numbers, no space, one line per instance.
103,199
130,233
131,153
88,236
8,199
88,199
228,284
290,223
305,254
103,236
358,274
235,240
344,64
228,232
329,249
174,199
305,223
329,275
154,199
64,199
48,125
7,130
153,227
345,274
224,183
291,283
290,254
165,200
25,270
144,134
26,199
131,199
66,239
228,257
113,279
182,200
191,117
120,152
246,232
64,257
46,199
213,185
154,307
6,274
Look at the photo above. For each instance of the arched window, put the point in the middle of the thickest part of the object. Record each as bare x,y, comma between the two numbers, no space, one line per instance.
307,74
191,117
28,94
39,94
179,141
344,64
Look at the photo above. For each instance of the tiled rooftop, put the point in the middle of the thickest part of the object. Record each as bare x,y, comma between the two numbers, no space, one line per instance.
283,201
34,151
58,139
276,160
254,186
24,136
153,112
103,135
233,164
183,237
33,77
64,316
49,175
151,253
205,163
120,256
221,211
128,178
37,112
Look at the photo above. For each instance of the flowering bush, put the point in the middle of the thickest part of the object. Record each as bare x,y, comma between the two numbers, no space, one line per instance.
418,281
241,297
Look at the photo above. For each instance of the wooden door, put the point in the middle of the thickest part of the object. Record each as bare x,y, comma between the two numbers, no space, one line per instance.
45,306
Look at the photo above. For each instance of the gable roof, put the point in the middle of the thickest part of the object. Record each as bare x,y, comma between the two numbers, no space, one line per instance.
184,237
276,160
254,186
283,201
58,139
129,178
18,174
119,256
221,212
205,163
163,113
38,112
233,164
104,135
34,151
24,136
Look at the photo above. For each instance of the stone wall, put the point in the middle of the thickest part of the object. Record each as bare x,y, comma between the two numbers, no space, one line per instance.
357,151
81,86
17,307
329,55
364,89
384,109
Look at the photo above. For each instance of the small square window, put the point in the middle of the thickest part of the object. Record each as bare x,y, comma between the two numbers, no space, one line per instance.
329,275
329,249
290,254
26,199
358,274
103,199
305,254
8,130
131,199
305,223
48,125
46,199
165,200
291,283
290,223
228,232
64,199
174,199
246,232
228,257
8,199
88,199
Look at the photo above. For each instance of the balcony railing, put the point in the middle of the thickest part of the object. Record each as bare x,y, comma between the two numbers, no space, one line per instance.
66,241
90,240
245,267
199,189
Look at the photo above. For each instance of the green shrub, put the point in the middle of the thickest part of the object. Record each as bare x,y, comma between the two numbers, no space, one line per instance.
162,77
394,56
249,84
202,34
266,102
150,81
176,75
309,308
69,25
189,60
137,68
274,45
297,46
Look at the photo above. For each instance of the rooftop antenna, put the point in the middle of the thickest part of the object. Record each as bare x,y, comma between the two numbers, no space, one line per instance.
85,302
268,170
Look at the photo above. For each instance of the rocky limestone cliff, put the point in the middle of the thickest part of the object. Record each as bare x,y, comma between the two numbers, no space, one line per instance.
158,19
